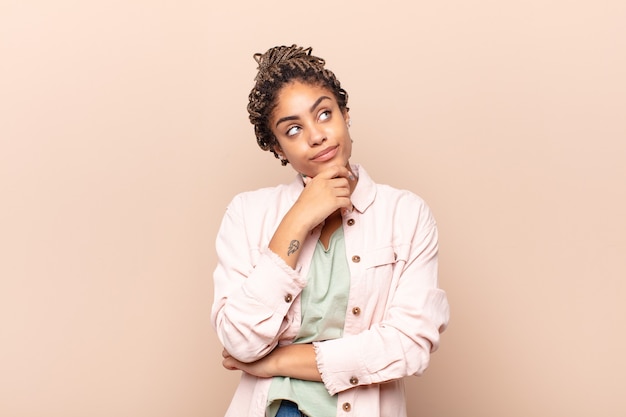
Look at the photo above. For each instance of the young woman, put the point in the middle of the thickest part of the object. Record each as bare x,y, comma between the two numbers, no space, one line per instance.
326,288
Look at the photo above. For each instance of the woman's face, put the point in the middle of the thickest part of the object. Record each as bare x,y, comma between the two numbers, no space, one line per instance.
310,127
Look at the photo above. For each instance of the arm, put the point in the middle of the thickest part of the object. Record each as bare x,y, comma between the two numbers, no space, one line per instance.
326,193
400,341
376,355
249,311
294,361
253,296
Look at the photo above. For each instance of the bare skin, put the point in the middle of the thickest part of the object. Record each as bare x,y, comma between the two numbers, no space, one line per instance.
294,361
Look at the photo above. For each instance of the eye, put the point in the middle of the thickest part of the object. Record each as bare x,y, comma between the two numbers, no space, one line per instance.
325,115
293,130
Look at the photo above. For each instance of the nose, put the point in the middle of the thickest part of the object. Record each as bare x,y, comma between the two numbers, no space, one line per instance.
317,136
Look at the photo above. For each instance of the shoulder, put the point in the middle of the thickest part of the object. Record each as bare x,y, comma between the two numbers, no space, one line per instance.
263,199
401,201
389,202
252,211
259,197
410,211
398,194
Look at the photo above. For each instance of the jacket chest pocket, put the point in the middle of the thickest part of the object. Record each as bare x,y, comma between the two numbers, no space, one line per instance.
383,265
379,267
380,257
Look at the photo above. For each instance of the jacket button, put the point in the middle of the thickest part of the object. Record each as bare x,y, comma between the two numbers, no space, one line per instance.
356,259
346,407
288,298
356,311
354,380
350,222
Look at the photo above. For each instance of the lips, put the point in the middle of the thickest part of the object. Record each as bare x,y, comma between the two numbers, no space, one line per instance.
325,154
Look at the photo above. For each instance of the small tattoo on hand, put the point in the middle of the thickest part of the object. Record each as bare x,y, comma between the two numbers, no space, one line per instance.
293,247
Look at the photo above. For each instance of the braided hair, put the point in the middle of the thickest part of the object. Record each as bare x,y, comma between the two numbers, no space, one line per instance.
278,66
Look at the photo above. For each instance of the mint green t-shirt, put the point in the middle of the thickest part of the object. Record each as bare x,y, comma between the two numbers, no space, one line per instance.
324,301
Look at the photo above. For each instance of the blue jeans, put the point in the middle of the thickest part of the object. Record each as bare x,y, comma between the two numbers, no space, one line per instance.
289,409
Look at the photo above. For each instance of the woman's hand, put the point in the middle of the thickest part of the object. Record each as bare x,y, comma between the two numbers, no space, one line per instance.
294,361
324,194
261,368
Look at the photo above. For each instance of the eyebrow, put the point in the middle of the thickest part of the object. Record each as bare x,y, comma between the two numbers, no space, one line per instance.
312,109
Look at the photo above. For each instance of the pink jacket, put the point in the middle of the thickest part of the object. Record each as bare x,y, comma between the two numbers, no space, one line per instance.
395,310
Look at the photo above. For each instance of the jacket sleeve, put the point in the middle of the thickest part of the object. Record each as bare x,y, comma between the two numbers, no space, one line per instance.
253,288
400,344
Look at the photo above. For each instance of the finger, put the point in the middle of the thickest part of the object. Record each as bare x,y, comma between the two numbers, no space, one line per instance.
230,364
336,171
342,191
225,353
340,182
346,173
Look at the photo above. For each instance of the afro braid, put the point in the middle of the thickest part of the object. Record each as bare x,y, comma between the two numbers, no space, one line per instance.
277,67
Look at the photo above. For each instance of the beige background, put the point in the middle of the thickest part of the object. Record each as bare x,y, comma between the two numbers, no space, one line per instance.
123,135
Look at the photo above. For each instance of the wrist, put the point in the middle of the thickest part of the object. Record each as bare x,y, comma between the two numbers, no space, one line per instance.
295,361
299,221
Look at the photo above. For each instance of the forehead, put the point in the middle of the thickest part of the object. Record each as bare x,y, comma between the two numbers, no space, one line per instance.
298,96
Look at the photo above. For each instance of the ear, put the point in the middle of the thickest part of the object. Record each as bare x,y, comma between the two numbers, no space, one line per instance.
346,116
279,150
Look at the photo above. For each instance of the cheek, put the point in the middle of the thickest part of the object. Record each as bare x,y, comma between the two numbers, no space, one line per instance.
294,152
348,141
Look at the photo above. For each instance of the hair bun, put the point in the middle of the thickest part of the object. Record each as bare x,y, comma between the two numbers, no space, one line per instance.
286,55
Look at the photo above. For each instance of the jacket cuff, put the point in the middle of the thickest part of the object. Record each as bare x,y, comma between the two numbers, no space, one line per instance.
341,372
274,290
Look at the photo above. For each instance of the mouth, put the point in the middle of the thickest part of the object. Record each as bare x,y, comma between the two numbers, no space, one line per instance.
326,154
